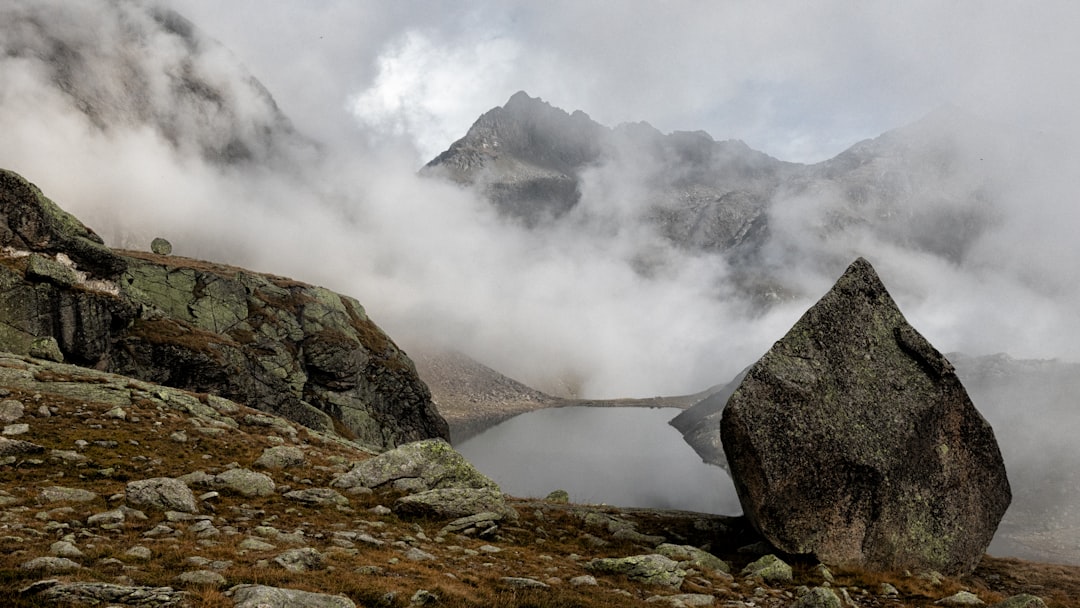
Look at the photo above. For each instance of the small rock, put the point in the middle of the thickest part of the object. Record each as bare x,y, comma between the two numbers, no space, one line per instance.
11,410
683,600
960,598
818,597
262,596
585,580
770,569
1024,600
254,544
652,569
300,560
423,597
139,552
888,590
51,565
163,493
61,494
161,246
115,516
318,497
280,457
116,413
523,583
16,429
245,482
201,577
63,548
558,496
418,555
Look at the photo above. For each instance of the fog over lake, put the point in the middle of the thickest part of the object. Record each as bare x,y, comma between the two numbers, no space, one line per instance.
623,456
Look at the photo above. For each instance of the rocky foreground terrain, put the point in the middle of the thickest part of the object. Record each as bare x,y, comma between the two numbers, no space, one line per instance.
120,492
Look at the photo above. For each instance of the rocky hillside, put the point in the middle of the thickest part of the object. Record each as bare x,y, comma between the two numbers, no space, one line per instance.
116,491
278,345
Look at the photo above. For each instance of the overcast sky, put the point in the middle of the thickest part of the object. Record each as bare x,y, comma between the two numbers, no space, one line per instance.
799,80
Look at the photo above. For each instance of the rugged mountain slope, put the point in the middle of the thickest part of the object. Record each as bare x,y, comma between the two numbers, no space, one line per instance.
303,352
125,64
528,157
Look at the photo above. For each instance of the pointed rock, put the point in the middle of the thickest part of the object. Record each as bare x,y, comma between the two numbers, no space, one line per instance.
852,439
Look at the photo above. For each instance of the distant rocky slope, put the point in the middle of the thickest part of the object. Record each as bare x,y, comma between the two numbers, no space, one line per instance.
300,351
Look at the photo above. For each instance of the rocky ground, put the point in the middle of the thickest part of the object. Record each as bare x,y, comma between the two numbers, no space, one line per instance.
123,492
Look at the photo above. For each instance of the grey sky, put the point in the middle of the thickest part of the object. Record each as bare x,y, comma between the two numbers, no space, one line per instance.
799,80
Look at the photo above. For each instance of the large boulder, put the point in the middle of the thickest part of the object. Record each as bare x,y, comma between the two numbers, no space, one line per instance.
431,464
853,440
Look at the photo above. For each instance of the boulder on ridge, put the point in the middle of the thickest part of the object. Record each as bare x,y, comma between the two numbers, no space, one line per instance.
853,440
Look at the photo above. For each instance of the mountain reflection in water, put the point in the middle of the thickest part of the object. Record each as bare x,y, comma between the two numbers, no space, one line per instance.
622,456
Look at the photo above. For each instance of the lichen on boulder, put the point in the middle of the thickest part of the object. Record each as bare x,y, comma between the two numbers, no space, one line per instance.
853,440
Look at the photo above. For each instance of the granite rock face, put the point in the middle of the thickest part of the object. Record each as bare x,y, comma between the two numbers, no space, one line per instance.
853,440
295,350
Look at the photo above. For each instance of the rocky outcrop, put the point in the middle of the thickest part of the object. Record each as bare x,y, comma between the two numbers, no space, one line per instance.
852,439
300,351
439,481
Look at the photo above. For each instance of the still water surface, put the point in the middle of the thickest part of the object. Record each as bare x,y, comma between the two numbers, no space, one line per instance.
622,456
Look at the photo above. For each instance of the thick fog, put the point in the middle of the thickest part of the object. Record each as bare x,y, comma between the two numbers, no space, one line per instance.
150,127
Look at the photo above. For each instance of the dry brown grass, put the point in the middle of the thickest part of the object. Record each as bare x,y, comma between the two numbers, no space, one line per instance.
538,546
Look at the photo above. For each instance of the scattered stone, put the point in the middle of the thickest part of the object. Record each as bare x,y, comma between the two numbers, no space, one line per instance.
201,577
245,482
652,569
254,544
482,524
300,560
98,520
62,494
683,600
960,598
770,569
888,590
1023,600
558,496
15,429
853,440
417,467
521,582
453,503
91,594
15,447
414,554
10,411
692,557
262,596
318,497
116,413
139,552
280,457
162,493
63,548
818,597
586,580
423,597
161,246
51,565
